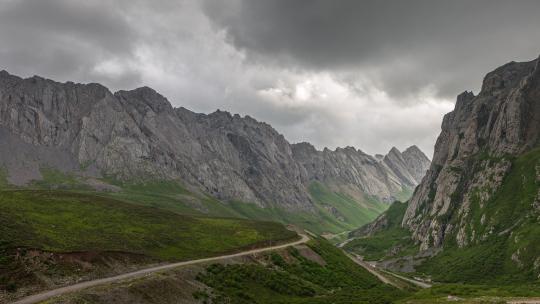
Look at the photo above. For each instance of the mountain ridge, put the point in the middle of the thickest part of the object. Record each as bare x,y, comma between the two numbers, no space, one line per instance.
129,134
475,217
502,120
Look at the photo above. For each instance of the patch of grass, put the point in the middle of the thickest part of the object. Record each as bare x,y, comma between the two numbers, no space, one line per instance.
320,221
467,291
3,178
350,213
65,222
311,221
172,196
405,194
169,195
378,246
55,179
298,280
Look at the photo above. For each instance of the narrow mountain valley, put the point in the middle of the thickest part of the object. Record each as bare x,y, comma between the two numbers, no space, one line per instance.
269,152
474,218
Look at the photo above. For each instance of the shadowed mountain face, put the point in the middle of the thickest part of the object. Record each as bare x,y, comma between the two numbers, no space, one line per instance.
86,130
475,217
478,153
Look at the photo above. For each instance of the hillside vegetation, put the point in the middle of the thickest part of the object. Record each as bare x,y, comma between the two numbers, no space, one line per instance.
393,240
67,222
505,230
510,222
334,212
290,277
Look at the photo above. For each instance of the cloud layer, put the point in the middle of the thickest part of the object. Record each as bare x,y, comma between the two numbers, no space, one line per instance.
372,74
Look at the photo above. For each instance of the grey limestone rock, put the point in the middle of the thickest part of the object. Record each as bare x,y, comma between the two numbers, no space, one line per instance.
135,135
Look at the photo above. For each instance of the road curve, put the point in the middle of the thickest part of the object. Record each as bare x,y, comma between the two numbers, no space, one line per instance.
372,270
79,286
415,282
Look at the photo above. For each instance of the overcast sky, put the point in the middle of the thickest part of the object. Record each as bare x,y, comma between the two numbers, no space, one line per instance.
370,74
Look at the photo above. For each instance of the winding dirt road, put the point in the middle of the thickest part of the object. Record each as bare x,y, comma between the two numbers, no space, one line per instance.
139,273
372,270
377,272
415,282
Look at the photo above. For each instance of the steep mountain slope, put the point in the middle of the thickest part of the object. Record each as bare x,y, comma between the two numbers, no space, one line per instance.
97,137
475,152
356,173
480,200
139,134
417,162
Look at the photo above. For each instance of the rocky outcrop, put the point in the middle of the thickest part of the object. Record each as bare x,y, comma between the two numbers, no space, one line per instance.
354,172
417,163
473,150
135,135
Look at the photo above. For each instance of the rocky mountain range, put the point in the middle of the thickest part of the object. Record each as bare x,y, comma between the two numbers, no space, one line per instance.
90,132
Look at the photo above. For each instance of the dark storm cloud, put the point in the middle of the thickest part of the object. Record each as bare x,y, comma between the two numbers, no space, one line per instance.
404,45
60,37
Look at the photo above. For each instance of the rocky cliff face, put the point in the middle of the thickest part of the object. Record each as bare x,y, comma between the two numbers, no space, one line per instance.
474,154
129,135
416,162
354,172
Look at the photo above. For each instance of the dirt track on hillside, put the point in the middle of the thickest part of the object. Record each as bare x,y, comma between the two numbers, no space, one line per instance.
139,273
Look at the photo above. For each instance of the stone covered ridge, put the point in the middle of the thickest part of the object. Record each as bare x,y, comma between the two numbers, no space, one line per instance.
352,171
503,119
137,134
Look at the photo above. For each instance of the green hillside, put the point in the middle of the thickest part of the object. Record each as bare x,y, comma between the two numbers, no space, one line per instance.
349,213
290,277
64,221
68,222
507,247
343,211
511,249
334,212
379,245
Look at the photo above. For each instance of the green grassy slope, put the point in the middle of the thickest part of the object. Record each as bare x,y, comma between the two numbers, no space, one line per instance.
170,195
350,213
64,221
107,236
3,178
292,278
511,228
334,212
506,246
379,245
472,294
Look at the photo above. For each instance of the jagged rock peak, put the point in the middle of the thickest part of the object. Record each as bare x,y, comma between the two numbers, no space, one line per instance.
506,76
412,149
417,162
146,95
394,150
304,146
